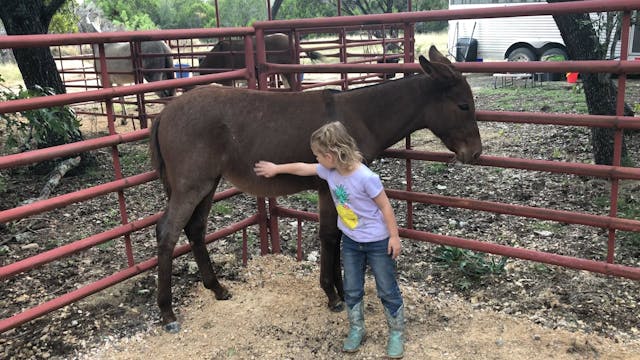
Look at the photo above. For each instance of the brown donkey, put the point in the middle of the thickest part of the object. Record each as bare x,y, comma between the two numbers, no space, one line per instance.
229,54
214,132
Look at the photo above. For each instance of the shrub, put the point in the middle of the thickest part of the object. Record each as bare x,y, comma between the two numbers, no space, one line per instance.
38,128
471,265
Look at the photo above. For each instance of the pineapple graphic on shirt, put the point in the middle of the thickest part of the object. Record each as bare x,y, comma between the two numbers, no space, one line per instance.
347,215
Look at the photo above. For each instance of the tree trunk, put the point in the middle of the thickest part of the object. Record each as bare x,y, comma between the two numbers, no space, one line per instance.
275,8
38,68
582,43
21,17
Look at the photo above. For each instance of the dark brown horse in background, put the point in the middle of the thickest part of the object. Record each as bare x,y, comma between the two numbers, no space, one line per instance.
229,54
196,141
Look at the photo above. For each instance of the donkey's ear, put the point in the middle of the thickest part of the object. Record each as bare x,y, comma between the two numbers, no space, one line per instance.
443,72
426,65
437,56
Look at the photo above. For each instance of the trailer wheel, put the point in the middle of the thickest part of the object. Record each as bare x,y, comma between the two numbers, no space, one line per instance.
554,52
522,54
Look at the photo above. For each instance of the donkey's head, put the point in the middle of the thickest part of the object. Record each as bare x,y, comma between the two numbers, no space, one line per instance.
452,116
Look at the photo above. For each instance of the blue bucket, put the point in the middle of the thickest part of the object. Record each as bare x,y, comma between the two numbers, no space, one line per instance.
182,74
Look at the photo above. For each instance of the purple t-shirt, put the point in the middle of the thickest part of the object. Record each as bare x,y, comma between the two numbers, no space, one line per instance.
358,215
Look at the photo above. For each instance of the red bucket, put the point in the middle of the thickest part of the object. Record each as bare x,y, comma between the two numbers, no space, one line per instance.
572,77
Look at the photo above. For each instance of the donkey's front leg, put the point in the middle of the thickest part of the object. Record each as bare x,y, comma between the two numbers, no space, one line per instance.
330,269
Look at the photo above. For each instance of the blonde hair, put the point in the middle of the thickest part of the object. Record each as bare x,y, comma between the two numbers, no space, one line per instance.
333,138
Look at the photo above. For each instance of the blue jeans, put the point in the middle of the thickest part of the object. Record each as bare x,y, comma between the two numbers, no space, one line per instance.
355,257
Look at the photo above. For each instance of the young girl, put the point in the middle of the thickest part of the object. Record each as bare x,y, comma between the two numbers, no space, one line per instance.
368,225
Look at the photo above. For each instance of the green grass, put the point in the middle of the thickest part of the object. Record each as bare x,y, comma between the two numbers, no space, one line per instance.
628,208
547,226
222,208
436,168
425,40
471,266
11,75
308,196
134,158
549,97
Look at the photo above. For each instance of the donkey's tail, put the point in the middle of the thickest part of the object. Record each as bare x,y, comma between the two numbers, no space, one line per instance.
314,55
156,156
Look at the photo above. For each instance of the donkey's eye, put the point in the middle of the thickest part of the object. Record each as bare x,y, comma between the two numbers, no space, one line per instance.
464,107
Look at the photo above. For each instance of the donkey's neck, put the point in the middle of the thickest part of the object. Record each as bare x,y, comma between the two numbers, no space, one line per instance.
381,115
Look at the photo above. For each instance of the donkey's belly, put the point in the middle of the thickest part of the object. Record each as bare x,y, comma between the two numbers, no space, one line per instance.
277,186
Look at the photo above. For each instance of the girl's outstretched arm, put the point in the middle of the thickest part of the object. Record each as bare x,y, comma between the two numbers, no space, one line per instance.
269,169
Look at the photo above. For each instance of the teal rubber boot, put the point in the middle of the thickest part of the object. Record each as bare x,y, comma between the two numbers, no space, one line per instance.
395,345
356,328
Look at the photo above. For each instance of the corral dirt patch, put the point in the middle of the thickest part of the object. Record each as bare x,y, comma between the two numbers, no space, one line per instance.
279,312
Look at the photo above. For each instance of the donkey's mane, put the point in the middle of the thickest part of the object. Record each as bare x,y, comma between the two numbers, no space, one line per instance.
383,83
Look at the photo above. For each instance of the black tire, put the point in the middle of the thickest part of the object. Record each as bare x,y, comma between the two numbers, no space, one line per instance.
522,54
553,52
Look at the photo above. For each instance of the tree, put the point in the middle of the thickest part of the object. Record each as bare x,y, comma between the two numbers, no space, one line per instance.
583,43
275,7
65,20
422,5
184,14
23,17
360,7
131,14
37,66
241,12
301,9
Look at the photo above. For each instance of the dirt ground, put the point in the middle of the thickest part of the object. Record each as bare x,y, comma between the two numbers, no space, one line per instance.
279,312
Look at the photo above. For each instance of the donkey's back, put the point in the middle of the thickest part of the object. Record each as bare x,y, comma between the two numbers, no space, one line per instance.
208,139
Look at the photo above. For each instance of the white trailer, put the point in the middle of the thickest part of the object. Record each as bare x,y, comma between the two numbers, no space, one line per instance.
522,38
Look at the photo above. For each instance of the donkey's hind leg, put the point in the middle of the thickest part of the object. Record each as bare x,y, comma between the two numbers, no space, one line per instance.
179,211
330,269
123,107
195,230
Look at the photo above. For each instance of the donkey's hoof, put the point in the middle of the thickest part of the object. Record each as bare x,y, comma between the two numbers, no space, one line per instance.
172,327
337,307
223,295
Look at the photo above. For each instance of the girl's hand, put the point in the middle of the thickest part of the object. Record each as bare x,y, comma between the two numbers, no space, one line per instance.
265,168
395,247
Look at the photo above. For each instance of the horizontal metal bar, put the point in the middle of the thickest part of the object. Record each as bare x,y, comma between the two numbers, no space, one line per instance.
66,250
75,197
561,8
602,171
25,41
34,156
605,222
526,254
606,121
114,92
520,253
66,299
582,66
